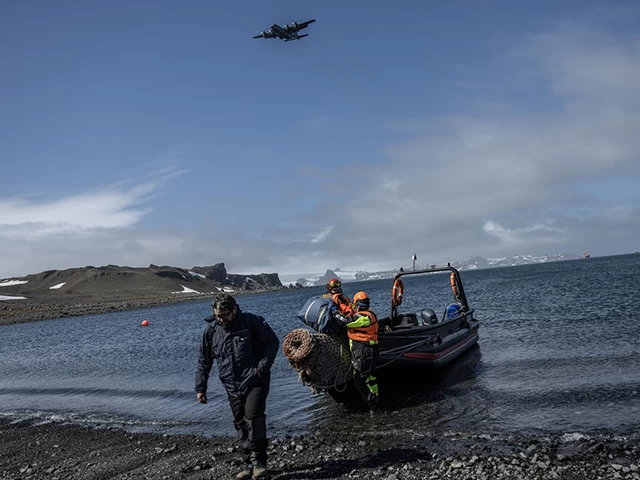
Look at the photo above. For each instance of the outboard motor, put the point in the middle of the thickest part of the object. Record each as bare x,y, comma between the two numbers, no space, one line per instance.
429,317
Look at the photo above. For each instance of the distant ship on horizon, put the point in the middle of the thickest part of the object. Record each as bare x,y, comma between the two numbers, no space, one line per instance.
586,255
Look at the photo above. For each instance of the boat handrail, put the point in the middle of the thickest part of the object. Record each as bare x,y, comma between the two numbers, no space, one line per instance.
461,296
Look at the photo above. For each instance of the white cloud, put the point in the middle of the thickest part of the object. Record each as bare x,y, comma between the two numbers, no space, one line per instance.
88,228
320,236
110,207
454,184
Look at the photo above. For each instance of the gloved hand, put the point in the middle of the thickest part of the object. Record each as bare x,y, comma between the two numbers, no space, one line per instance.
262,366
341,318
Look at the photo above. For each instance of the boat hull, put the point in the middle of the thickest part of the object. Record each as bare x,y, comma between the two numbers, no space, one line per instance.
427,347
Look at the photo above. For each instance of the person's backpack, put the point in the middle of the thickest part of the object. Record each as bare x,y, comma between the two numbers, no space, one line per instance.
317,313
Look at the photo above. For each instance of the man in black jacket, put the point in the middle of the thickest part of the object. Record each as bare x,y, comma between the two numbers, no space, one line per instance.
245,346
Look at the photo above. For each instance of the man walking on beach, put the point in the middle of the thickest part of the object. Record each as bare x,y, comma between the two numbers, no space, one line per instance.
245,346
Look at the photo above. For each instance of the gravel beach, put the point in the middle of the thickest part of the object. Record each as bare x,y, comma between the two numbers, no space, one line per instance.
48,306
20,311
71,452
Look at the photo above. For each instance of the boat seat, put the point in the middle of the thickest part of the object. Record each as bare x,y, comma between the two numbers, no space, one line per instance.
384,324
405,320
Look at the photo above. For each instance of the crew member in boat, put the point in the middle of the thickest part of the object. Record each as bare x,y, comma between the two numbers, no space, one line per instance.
362,330
335,293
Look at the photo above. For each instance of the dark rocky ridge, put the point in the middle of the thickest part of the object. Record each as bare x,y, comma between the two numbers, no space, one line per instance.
154,279
89,290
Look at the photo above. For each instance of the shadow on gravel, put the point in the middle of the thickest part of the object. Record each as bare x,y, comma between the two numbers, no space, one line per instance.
338,468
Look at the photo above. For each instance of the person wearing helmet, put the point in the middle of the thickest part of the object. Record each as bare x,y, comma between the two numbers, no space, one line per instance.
362,330
335,293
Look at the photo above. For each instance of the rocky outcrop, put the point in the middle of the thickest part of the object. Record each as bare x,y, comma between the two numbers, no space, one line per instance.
216,272
269,281
328,275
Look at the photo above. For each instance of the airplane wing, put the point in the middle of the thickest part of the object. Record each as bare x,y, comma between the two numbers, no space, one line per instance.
296,27
265,34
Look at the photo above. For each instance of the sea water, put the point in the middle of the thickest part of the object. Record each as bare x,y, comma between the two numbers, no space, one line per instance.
558,352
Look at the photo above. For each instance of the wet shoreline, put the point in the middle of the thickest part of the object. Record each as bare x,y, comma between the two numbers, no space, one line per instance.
21,311
74,452
37,309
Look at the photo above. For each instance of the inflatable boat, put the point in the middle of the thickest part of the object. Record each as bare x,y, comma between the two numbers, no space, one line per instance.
425,339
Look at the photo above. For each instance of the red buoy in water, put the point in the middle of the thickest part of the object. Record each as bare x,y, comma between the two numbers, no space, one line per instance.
145,323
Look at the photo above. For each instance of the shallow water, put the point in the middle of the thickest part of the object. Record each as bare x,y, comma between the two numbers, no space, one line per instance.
558,352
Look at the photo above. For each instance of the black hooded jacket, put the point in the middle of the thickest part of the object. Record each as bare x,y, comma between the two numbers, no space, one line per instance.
248,348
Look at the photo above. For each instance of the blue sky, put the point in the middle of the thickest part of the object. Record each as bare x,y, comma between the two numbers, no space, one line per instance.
157,132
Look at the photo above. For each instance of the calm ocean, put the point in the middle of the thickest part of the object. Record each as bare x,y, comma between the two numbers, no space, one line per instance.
558,352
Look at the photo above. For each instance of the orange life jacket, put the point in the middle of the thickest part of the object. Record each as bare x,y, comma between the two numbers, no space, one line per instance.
365,334
343,303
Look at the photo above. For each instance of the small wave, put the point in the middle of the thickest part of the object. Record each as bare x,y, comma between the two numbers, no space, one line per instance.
42,417
103,392
573,437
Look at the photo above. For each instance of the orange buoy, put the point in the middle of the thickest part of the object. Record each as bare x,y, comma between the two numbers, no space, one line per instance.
397,292
145,323
454,285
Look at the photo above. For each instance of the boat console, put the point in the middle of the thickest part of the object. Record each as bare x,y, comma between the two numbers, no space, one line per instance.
405,320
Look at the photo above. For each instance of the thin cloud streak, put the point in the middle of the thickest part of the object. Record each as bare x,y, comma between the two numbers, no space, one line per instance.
110,207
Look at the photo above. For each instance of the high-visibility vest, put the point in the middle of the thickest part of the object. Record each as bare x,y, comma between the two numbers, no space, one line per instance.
365,334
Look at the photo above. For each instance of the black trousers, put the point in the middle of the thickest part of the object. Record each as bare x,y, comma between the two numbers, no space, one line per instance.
251,424
364,358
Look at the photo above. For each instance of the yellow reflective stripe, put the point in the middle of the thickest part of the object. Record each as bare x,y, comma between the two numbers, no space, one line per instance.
373,388
361,321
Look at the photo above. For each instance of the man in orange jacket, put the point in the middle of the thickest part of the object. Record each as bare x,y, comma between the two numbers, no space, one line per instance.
362,330
335,293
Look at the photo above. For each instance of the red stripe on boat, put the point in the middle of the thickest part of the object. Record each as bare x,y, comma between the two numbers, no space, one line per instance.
433,356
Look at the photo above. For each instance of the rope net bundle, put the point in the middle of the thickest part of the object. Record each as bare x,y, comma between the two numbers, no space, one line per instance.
321,360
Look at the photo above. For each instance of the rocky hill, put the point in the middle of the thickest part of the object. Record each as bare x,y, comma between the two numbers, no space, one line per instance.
135,282
91,290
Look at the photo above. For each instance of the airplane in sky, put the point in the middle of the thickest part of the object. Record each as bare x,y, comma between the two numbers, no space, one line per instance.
286,32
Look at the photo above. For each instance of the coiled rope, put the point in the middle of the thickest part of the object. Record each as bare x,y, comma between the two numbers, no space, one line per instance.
322,360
